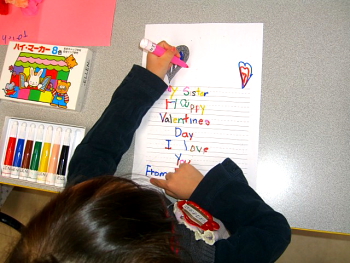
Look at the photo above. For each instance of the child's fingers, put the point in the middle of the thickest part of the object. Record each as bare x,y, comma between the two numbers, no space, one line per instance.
164,184
166,46
159,183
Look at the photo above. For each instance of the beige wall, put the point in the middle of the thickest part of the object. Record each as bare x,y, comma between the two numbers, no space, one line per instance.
306,246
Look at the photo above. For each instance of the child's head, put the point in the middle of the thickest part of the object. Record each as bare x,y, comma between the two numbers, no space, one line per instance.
107,219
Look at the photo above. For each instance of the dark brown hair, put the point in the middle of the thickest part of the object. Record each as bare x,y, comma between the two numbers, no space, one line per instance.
106,219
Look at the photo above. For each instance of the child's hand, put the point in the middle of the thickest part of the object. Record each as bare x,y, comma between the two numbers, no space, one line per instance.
160,65
180,184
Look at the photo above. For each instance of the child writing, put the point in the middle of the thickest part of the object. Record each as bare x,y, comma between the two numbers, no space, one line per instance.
101,218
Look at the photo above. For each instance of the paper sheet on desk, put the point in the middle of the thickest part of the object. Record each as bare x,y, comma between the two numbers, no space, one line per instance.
204,124
64,22
215,50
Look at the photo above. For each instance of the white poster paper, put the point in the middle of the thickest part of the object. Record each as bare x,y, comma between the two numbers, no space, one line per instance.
211,110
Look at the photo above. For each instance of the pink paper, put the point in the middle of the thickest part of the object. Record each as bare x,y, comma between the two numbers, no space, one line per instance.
64,22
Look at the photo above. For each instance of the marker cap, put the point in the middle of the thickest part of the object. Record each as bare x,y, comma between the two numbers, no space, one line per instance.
31,132
144,43
14,128
147,45
40,133
66,140
48,136
58,136
22,131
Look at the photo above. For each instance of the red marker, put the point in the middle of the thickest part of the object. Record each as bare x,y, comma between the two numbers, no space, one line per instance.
10,151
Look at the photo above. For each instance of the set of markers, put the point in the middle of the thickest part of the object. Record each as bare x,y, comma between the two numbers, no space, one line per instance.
38,151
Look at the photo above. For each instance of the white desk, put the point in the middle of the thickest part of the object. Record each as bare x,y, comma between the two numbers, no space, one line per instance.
305,109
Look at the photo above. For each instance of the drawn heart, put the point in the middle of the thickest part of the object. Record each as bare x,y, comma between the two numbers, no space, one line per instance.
184,55
245,71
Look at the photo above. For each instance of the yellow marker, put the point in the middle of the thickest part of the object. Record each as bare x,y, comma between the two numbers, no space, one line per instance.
45,155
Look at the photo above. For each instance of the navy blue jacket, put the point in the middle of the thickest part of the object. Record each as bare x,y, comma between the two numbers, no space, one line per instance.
258,233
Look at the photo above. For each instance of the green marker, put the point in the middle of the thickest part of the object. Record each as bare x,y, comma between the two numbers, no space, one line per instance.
34,164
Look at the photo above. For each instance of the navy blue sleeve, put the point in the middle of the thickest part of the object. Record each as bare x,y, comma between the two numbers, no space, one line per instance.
100,151
258,233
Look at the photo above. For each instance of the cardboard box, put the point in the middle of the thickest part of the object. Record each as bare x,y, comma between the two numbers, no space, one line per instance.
46,75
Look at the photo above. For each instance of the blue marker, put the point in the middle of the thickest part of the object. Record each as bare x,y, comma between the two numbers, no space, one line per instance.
17,161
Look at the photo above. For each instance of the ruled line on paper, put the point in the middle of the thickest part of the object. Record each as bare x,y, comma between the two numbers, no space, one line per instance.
201,130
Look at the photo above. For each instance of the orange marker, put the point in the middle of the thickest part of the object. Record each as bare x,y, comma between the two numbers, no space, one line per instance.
51,171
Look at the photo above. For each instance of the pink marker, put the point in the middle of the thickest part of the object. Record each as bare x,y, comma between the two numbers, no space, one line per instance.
159,51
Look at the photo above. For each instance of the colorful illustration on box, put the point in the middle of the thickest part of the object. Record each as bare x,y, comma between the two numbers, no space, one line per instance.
41,78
